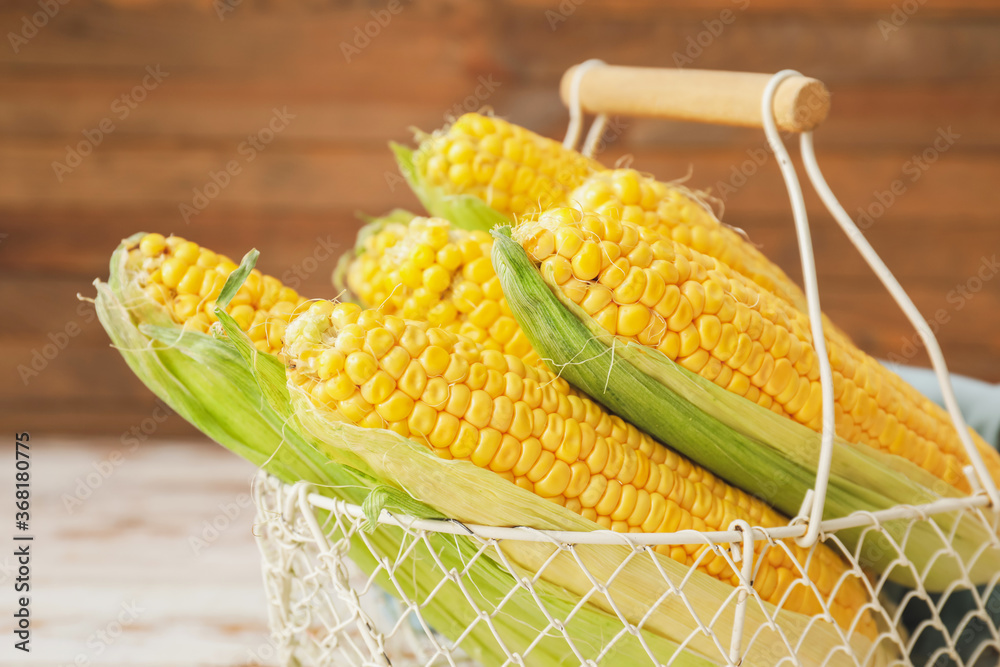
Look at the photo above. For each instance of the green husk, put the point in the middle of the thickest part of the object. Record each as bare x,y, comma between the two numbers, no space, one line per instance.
769,456
464,211
237,396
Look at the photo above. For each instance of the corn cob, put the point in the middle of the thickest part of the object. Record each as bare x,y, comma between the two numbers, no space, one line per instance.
675,213
510,168
468,403
697,311
429,270
186,279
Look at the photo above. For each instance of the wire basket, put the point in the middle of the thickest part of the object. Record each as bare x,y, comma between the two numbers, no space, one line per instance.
324,611
338,597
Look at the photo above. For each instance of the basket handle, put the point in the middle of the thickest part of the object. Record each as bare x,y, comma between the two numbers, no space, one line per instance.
725,98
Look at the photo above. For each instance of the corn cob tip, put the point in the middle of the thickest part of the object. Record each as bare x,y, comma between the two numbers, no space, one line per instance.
513,170
186,279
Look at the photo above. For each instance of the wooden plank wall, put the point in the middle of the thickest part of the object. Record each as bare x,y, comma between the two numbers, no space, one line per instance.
899,82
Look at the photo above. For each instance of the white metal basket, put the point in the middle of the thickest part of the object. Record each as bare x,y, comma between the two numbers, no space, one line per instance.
326,611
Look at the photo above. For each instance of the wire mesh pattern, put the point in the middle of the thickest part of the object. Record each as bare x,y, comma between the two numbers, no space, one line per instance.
338,596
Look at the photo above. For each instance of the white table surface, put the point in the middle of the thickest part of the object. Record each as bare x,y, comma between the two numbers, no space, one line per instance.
129,543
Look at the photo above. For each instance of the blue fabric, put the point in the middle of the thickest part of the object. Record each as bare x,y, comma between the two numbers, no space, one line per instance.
980,405
979,401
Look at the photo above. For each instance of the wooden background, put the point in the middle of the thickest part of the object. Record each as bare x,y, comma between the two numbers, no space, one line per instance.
893,90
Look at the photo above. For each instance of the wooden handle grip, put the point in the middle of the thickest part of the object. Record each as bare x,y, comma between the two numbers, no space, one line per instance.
704,96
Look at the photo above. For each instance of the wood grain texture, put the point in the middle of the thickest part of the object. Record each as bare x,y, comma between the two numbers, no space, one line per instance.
894,92
128,542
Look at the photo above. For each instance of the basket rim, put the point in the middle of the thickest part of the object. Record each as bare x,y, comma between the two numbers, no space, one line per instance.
599,536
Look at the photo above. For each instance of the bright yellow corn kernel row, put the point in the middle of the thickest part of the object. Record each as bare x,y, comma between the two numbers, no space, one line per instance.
510,168
187,279
466,402
715,322
674,213
428,270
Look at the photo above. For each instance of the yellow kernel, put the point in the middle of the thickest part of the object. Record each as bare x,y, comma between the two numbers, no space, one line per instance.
360,366
377,388
436,279
586,263
597,297
479,270
632,288
378,341
449,257
531,449
422,256
445,430
340,387
354,408
556,480
458,400
465,442
485,314
442,314
568,241
187,252
172,272
396,408
480,409
487,446
507,456
423,419
413,380
152,244
330,363
243,315
344,314
543,465
414,340
557,269
632,319
394,362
